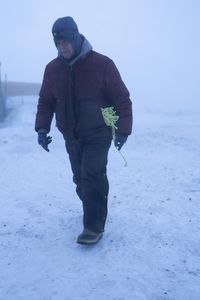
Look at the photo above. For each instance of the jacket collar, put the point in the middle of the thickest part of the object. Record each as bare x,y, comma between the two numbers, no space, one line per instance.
85,49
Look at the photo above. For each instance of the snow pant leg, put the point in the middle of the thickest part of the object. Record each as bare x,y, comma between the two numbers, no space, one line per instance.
94,183
74,150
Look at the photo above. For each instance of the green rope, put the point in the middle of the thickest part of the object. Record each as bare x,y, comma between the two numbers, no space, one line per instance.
110,118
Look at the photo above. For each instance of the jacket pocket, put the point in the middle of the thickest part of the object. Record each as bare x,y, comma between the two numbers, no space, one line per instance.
60,113
90,115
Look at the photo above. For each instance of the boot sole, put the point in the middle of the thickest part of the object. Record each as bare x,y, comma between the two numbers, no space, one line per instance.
84,242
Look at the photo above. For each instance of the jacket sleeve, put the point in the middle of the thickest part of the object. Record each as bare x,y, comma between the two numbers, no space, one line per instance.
46,104
118,95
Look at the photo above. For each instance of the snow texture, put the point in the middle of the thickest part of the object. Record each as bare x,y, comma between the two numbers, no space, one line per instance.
150,249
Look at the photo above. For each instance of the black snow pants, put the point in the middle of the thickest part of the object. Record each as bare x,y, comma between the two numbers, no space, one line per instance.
88,158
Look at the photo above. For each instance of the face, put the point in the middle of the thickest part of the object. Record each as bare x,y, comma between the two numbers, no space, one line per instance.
65,48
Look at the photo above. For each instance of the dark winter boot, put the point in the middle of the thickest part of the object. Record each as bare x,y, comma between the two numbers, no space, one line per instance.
89,237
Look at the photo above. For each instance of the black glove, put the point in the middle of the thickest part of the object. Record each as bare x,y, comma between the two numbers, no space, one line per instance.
120,140
43,139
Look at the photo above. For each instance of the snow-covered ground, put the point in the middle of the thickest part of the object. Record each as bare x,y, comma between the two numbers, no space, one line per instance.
151,247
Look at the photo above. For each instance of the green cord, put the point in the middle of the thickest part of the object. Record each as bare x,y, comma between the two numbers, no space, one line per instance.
110,119
125,161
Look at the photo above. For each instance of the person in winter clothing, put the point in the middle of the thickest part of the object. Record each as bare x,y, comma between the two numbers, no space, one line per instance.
76,85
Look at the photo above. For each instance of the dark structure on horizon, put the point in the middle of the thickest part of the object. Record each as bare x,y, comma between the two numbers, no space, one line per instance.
13,88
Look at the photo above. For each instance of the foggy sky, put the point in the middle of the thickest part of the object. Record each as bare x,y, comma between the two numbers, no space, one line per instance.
154,43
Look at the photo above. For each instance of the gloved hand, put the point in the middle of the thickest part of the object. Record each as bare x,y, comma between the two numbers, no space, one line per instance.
43,139
120,140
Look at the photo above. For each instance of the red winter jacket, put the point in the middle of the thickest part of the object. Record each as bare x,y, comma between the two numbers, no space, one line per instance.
77,93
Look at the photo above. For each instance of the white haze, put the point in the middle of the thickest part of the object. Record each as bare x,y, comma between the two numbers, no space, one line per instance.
150,249
155,44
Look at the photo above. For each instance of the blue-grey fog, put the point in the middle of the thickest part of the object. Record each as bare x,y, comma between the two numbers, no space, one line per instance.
155,44
150,247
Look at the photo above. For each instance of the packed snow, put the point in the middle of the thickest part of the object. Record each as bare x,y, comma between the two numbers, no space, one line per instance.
151,246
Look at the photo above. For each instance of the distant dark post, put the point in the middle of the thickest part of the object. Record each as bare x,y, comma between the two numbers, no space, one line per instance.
2,100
